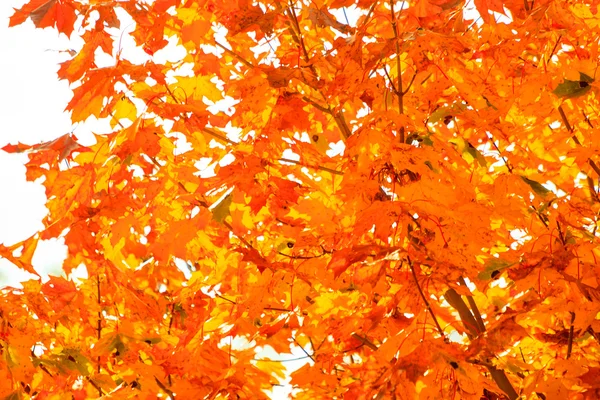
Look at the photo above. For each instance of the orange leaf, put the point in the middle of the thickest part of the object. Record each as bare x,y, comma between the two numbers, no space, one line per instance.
26,250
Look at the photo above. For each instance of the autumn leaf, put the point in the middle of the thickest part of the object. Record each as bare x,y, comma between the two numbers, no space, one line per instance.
26,250
44,13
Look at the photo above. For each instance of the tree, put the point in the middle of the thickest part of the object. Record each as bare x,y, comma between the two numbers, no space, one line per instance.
407,191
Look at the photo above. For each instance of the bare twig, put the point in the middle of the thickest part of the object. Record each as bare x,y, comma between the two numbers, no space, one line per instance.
164,388
95,385
571,329
365,341
399,91
216,135
305,352
414,274
316,105
409,83
234,54
554,49
99,328
332,171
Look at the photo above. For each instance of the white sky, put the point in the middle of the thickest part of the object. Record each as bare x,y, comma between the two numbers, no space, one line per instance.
31,111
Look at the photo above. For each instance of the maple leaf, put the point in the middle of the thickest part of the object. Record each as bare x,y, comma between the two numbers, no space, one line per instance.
44,13
61,148
26,250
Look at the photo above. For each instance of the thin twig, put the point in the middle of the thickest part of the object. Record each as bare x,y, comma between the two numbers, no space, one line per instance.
593,192
316,105
399,91
281,361
226,299
368,16
554,49
414,274
387,74
365,341
234,54
587,119
305,352
299,257
563,240
567,124
217,135
410,83
508,166
571,329
95,385
99,328
164,388
332,171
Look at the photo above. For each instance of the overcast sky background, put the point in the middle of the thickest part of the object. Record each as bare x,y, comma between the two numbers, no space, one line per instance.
31,111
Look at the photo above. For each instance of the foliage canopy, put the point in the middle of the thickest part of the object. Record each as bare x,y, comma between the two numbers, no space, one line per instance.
407,191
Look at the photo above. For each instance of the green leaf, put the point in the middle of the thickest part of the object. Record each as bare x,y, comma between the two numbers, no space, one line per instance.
536,186
221,210
491,266
569,89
